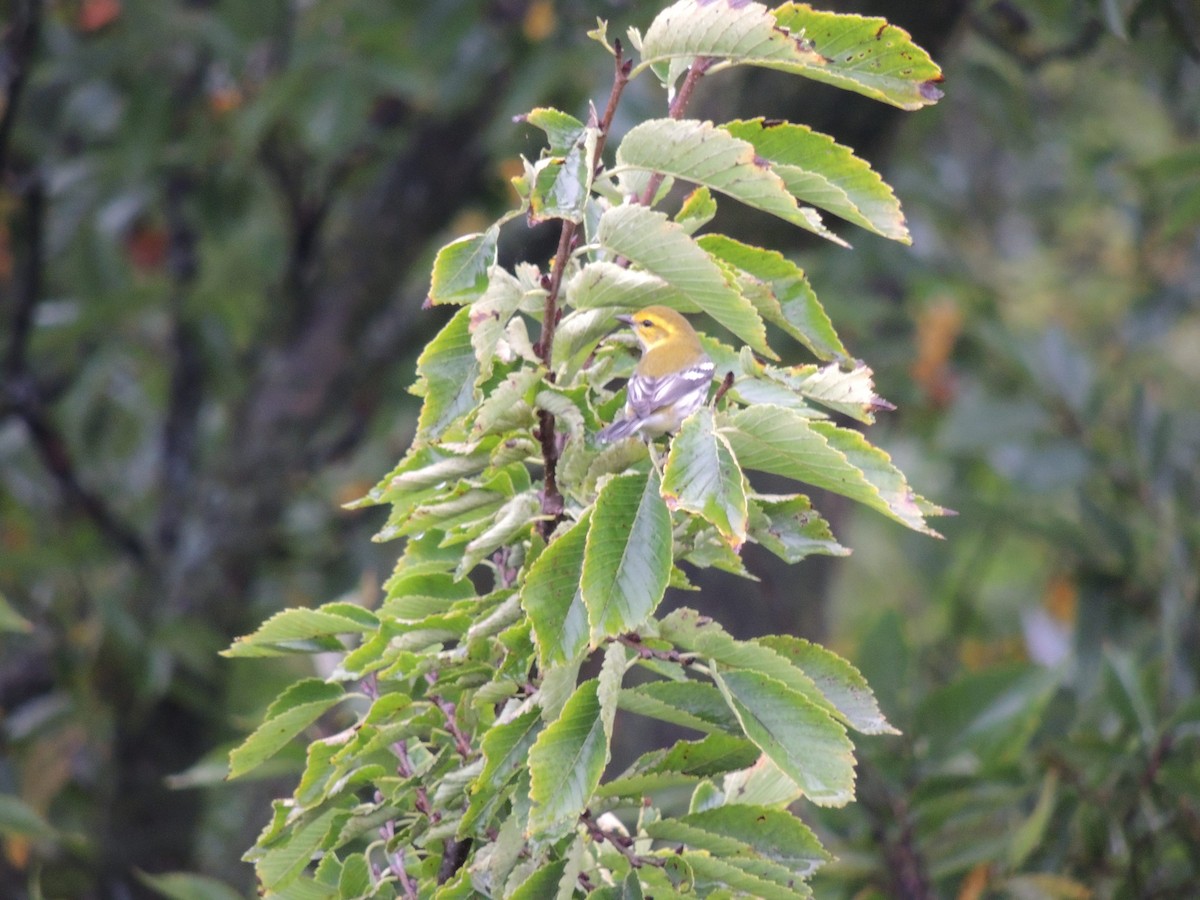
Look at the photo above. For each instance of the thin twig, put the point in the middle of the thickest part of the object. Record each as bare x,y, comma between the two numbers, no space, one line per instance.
678,105
462,743
633,640
622,842
547,430
726,384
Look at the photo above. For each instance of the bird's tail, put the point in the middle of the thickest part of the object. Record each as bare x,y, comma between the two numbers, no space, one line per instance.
622,428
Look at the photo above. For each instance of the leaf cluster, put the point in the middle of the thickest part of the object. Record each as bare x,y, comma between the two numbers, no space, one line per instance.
482,693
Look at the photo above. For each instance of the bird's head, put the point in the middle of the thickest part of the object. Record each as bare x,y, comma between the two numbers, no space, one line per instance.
655,326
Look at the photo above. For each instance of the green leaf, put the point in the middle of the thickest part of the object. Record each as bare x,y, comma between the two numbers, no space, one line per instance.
808,746
773,439
505,750
686,629
762,784
460,271
697,210
709,869
512,519
292,626
186,886
448,371
865,55
490,316
567,760
427,467
559,187
790,528
714,754
562,131
293,711
862,54
655,243
603,284
841,683
285,861
703,478
708,155
691,704
553,598
507,407
817,169
355,879
627,556
848,391
741,33
792,304
543,883
774,834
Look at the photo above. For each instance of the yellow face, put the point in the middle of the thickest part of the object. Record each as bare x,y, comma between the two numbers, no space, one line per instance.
655,325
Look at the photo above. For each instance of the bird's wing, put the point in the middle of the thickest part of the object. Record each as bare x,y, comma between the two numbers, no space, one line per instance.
646,394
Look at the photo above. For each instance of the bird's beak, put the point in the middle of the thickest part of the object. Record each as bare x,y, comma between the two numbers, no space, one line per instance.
625,319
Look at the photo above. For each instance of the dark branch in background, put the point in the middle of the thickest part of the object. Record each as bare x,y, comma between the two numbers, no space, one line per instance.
892,830
179,444
24,398
15,56
1005,25
552,500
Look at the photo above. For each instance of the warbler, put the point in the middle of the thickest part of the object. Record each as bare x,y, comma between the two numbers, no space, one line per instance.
671,379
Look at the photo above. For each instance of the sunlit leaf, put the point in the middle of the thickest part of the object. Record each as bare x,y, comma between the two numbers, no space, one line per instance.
448,370
841,683
460,271
706,154
553,598
702,477
791,529
566,761
792,304
294,625
627,559
861,54
818,170
661,247
293,711
774,439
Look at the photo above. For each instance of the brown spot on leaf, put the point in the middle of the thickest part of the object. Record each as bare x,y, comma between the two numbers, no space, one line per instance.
773,123
879,33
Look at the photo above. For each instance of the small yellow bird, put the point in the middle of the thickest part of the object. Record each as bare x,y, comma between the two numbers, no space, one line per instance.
671,379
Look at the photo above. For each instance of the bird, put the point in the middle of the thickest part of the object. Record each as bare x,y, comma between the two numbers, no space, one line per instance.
670,381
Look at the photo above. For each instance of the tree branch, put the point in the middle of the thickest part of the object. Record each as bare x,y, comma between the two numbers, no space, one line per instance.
678,105
622,842
552,500
24,398
19,44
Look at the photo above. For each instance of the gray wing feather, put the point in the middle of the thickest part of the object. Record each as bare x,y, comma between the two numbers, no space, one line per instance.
645,395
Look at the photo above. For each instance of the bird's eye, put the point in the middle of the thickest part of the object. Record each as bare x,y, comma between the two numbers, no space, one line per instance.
647,322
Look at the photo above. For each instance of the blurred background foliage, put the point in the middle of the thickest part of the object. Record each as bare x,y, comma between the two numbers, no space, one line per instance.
216,222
